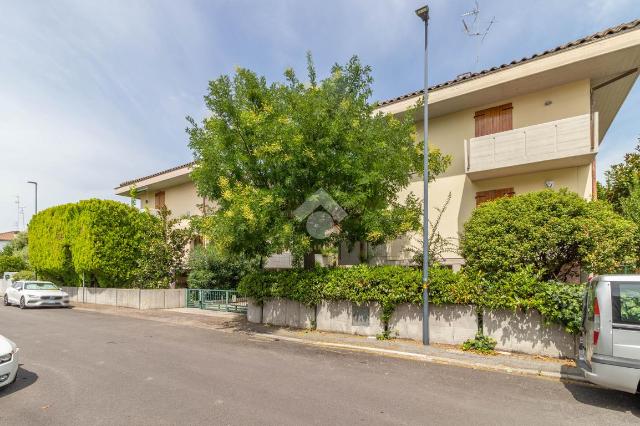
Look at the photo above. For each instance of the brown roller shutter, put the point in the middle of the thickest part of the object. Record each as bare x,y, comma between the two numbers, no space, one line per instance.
494,120
159,199
493,194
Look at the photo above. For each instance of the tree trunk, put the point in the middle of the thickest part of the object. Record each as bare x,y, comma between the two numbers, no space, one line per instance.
364,252
310,260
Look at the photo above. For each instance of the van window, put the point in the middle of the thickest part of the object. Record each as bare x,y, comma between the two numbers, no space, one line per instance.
625,298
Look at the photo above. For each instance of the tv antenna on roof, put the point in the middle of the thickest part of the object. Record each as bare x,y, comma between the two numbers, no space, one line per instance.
475,27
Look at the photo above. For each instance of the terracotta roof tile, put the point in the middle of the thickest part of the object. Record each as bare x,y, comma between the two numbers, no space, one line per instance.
8,236
173,169
471,75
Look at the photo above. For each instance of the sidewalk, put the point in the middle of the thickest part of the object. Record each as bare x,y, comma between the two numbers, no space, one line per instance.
442,354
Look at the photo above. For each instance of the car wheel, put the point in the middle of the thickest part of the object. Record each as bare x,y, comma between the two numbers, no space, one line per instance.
6,300
22,304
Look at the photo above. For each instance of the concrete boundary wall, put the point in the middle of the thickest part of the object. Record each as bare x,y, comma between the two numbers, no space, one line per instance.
129,297
448,324
338,316
526,332
288,313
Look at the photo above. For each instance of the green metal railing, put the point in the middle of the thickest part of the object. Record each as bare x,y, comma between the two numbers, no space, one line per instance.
217,300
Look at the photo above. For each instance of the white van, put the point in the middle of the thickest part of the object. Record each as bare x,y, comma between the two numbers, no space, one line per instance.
610,343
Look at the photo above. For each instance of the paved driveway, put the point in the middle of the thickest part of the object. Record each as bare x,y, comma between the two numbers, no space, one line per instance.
84,368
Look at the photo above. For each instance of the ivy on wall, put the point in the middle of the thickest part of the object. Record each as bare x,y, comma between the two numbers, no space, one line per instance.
391,286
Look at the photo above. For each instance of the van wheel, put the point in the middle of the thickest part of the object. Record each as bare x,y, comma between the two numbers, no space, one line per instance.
22,305
6,301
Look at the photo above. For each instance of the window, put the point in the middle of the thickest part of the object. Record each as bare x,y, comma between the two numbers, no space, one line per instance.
494,120
493,194
625,298
159,200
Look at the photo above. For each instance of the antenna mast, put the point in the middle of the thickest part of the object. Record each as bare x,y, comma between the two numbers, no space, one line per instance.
474,27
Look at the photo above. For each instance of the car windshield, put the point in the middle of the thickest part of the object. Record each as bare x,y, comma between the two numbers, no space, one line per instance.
40,286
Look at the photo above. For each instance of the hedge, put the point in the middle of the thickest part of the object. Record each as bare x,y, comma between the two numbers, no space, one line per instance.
391,286
100,238
554,231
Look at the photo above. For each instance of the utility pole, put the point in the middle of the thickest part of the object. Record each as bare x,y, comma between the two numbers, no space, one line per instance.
423,13
19,212
35,184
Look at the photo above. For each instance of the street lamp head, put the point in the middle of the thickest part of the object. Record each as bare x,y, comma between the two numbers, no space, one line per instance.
30,181
423,13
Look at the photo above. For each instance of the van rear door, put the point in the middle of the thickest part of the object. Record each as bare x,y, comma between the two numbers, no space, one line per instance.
625,300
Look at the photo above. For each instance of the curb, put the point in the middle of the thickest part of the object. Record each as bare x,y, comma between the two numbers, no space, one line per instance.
430,358
529,372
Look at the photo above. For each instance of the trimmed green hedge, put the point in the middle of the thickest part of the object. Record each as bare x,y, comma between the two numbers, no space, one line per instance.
100,238
393,285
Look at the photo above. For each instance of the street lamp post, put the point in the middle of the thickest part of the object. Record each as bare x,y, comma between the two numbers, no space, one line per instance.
423,13
35,184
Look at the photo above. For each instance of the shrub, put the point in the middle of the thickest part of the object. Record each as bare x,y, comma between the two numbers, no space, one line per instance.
481,344
100,238
11,263
557,302
24,276
209,269
163,251
553,231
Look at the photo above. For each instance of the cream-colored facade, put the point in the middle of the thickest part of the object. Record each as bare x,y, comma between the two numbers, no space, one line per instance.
561,104
449,132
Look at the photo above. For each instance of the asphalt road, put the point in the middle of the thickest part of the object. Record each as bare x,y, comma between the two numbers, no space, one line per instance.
87,368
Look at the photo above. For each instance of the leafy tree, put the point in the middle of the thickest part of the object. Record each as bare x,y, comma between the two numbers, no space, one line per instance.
621,178
265,148
18,247
210,269
553,232
164,251
11,263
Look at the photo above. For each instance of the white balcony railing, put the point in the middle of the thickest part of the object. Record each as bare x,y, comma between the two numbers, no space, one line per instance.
562,143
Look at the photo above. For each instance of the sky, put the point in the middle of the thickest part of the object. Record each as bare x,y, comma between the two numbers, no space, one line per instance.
93,93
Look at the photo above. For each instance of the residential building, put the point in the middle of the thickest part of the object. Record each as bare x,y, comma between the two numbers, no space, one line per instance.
534,123
6,238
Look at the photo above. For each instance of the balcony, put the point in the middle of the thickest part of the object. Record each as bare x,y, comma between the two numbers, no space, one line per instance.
556,144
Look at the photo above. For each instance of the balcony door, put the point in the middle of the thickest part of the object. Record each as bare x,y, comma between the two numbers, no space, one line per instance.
494,120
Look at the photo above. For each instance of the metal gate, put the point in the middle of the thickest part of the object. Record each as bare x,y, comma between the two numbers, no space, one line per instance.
217,300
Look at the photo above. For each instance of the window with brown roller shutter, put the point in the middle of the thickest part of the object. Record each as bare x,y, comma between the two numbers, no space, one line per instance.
159,199
494,120
493,194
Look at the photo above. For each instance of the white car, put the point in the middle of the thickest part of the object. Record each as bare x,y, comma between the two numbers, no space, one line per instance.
28,294
8,361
